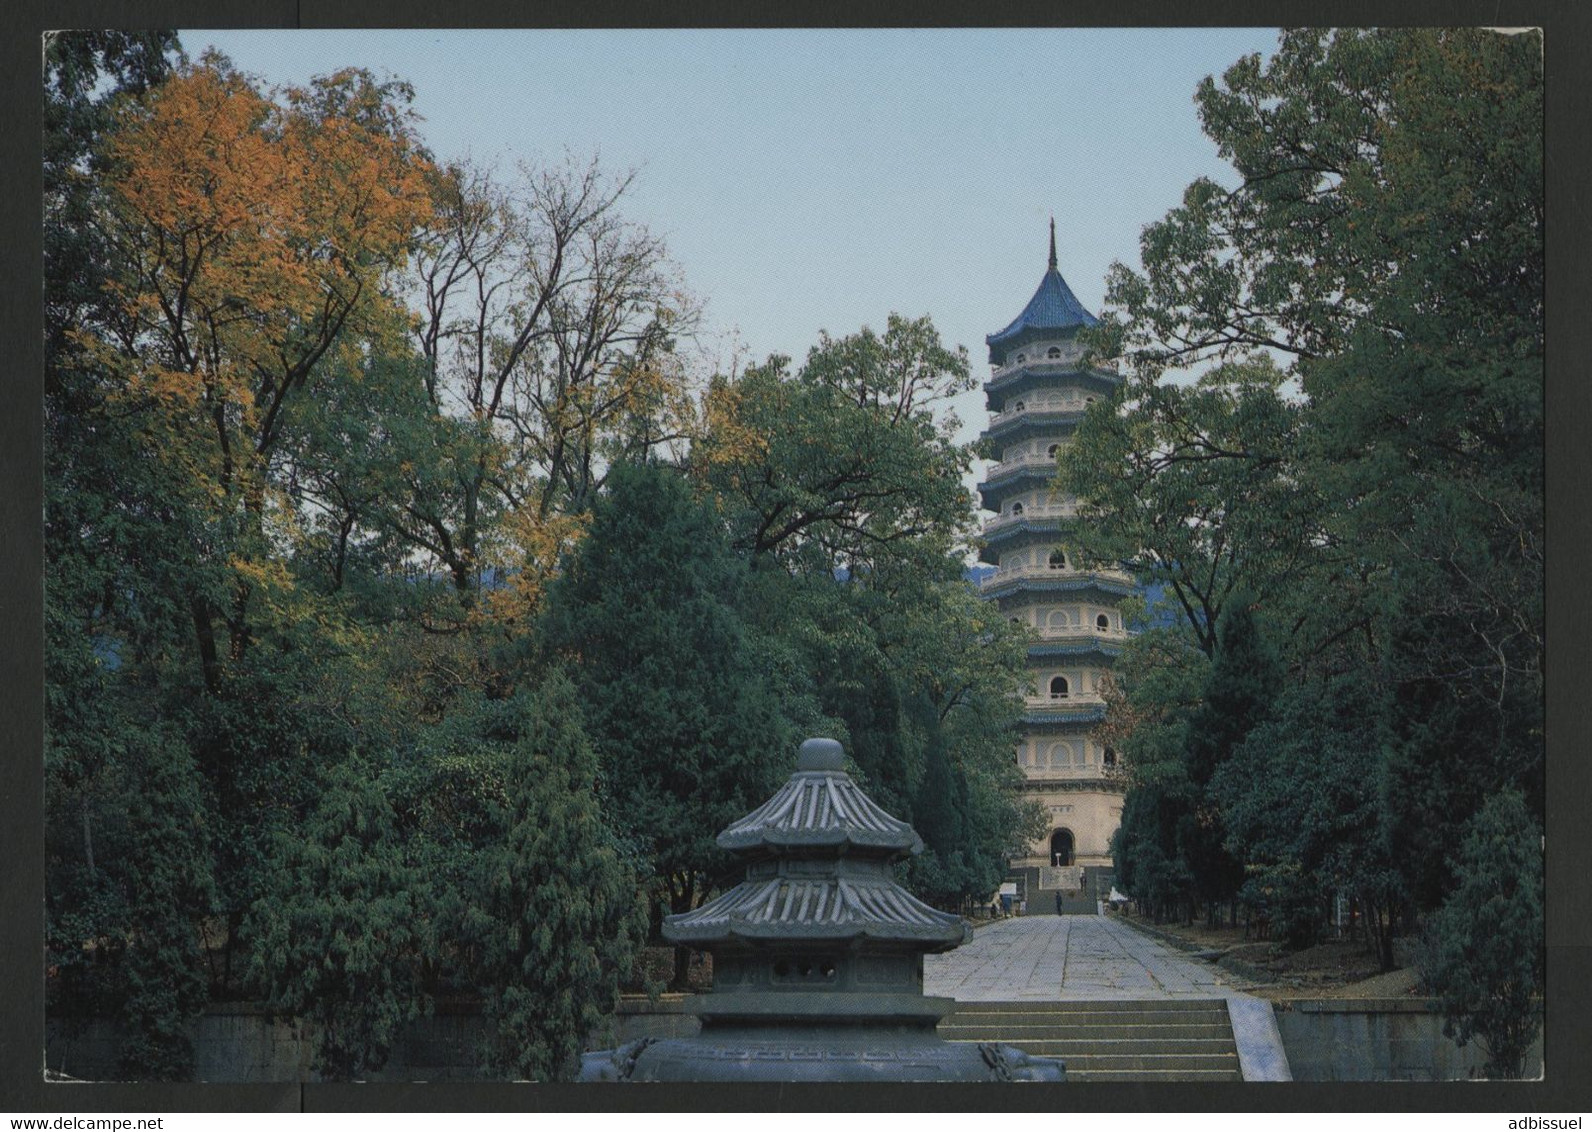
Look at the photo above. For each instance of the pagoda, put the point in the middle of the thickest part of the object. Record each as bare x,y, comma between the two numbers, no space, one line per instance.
1040,387
818,955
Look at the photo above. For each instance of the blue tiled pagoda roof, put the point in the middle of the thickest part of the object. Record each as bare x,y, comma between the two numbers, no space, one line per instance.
1053,308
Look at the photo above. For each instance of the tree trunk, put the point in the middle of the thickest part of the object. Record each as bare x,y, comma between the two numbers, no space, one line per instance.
682,898
682,969
205,631
88,834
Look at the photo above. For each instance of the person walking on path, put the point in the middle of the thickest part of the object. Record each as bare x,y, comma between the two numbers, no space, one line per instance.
1058,902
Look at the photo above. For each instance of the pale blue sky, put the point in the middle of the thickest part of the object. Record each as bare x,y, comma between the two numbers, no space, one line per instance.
820,179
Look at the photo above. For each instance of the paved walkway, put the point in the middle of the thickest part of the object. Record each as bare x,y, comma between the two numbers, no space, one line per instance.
1073,958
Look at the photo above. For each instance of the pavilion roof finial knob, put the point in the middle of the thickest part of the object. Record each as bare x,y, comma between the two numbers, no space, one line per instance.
821,754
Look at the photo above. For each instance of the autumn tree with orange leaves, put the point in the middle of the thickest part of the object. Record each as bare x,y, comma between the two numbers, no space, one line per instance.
259,238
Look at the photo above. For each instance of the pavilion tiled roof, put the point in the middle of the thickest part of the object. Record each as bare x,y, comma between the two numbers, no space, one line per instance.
819,908
821,808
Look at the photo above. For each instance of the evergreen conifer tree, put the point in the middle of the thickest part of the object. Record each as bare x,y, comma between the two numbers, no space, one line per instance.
1240,689
342,930
676,703
1484,954
166,878
554,916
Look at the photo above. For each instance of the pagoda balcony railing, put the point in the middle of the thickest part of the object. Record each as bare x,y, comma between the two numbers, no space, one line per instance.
1019,464
1083,699
1080,633
1016,573
1047,365
1070,405
1054,511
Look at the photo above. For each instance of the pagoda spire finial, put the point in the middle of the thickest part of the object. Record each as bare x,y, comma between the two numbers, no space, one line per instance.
1053,243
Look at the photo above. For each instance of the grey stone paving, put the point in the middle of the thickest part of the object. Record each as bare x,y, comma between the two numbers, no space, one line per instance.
1073,958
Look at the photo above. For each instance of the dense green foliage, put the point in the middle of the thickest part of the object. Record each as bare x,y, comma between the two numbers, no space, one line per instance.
841,472
1362,457
1484,954
647,616
342,924
553,918
416,617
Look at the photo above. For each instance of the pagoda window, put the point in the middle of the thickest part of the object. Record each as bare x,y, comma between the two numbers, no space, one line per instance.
1102,622
1058,688
1058,560
1053,352
1019,406
1017,508
1088,400
1110,757
1053,450
1022,357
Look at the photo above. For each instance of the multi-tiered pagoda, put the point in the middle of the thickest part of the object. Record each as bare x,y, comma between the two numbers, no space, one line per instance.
818,955
1038,392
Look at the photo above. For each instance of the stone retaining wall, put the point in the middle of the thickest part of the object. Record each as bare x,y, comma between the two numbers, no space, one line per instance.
1377,1039
1361,1039
241,1043
1325,1040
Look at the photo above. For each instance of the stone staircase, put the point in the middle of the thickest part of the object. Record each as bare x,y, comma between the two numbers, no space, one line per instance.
1161,1040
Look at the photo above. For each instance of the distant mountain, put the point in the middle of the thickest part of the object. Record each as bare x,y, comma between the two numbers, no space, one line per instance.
976,573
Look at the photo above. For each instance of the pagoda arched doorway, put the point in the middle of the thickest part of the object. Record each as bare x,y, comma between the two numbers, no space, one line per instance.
1061,847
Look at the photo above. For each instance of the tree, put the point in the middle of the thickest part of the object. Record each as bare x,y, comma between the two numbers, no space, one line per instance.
956,664
844,462
1240,693
1484,953
1383,241
668,675
846,475
842,483
167,882
554,916
547,328
270,774
1197,488
1386,235
1153,695
255,236
1143,851
87,75
1307,798
344,924
127,869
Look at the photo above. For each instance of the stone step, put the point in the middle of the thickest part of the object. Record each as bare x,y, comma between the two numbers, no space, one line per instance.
1095,1006
1090,1047
1154,1075
1133,1040
1217,1017
1160,1063
1012,1032
1097,1057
